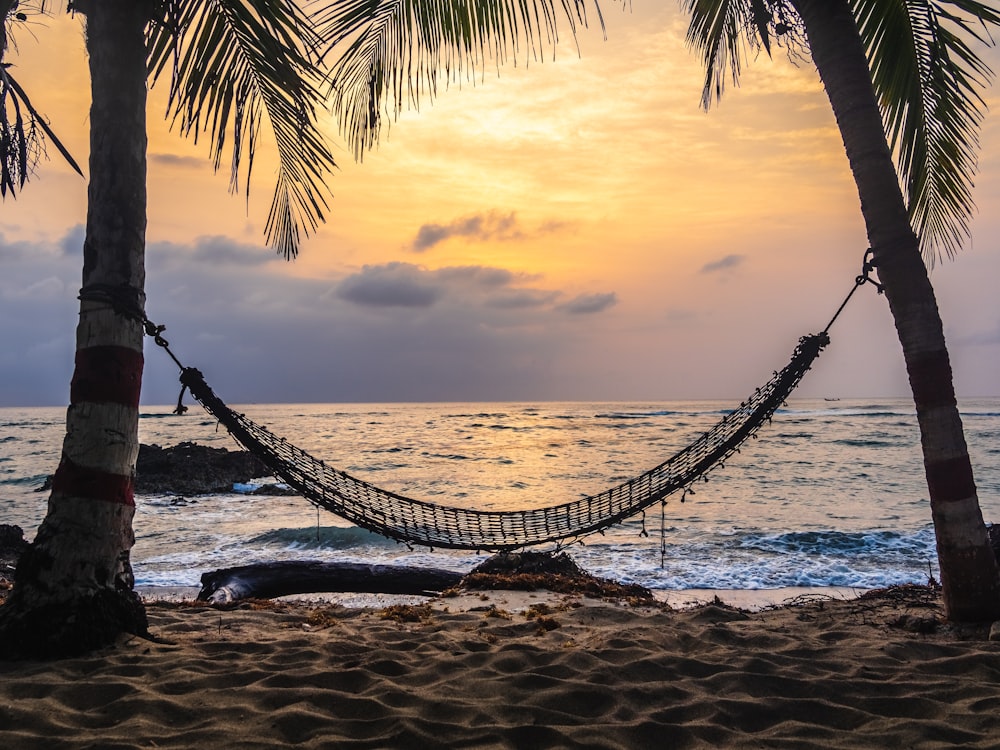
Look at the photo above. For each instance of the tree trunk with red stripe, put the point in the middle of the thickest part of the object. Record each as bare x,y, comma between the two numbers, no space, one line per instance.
969,574
74,587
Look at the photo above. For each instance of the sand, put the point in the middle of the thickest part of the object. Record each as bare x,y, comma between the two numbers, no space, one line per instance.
518,670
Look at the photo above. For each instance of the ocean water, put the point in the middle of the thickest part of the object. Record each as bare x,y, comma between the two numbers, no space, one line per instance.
830,494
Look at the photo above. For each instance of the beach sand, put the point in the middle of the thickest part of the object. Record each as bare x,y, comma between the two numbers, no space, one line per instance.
521,670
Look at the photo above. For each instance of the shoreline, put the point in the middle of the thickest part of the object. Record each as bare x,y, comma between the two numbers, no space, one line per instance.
750,600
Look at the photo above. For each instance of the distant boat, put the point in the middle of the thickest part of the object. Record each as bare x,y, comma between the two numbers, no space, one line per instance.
831,399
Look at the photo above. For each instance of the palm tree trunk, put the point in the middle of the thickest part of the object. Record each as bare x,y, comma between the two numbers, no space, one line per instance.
969,573
74,587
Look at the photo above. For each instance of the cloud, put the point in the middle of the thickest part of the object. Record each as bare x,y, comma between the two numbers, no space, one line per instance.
71,244
391,285
399,284
485,276
520,299
488,226
224,251
723,264
588,304
174,160
48,288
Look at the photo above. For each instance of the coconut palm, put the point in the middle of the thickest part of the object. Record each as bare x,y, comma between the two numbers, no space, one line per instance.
903,79
237,68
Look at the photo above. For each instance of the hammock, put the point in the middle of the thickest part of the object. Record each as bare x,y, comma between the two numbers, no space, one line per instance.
418,522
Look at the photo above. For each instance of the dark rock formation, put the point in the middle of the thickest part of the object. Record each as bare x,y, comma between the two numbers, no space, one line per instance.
191,469
12,545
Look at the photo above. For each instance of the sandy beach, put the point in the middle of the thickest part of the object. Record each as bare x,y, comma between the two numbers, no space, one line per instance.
521,669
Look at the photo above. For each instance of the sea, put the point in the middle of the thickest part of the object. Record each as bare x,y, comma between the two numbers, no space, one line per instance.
830,495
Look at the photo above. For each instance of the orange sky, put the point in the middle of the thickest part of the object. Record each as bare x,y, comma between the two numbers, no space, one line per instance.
578,229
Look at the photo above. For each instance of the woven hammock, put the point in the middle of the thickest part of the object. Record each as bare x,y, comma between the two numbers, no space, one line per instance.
418,522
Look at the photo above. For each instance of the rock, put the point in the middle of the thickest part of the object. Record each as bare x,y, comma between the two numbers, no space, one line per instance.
12,541
192,469
12,546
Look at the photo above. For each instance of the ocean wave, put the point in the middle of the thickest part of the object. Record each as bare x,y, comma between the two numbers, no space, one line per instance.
640,414
321,538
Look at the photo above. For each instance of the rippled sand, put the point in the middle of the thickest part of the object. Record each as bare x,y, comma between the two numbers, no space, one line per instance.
518,671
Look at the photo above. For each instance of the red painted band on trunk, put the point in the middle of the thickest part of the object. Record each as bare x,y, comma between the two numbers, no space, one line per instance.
951,480
93,484
107,375
931,380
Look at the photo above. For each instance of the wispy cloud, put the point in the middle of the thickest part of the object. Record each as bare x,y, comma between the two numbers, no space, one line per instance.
588,304
174,160
225,251
723,264
521,299
488,226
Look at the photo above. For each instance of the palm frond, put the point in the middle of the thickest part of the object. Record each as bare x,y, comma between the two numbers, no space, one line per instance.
236,66
928,80
23,130
18,139
393,53
725,32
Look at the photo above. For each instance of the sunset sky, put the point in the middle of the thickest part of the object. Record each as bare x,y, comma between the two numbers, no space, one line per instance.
577,228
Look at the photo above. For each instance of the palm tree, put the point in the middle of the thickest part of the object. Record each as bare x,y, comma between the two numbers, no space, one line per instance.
902,78
237,66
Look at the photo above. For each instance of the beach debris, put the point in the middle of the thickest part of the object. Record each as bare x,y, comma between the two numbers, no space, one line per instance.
915,624
406,613
531,571
267,580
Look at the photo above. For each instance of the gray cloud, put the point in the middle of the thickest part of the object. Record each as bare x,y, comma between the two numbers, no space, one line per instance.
263,335
71,244
722,264
400,284
519,299
492,225
172,160
391,285
478,275
219,250
588,304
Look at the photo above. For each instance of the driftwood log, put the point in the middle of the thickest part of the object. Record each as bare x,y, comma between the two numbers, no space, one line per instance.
268,580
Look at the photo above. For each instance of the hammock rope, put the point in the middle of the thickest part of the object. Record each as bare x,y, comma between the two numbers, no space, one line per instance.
413,521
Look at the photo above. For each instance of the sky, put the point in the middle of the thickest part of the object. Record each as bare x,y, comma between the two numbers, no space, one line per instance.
573,228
